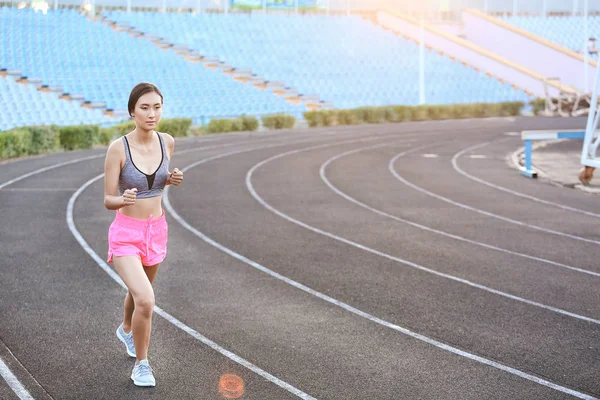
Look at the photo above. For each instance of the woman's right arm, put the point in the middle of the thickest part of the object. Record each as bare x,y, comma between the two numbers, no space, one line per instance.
112,170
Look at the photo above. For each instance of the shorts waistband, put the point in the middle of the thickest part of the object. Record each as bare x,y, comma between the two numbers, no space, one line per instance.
140,222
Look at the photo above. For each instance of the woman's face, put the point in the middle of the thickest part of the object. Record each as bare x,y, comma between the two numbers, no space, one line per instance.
148,111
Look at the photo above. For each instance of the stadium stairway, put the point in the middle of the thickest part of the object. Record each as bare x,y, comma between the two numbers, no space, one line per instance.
520,76
517,45
242,75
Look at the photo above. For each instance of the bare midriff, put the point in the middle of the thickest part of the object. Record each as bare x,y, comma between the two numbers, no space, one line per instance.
144,208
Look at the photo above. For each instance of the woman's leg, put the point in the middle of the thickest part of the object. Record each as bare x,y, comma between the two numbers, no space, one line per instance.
132,273
129,306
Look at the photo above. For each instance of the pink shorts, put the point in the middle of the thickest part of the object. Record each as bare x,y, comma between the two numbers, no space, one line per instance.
142,238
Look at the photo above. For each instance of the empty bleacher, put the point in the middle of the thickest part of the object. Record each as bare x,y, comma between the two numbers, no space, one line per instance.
23,105
345,60
65,49
566,31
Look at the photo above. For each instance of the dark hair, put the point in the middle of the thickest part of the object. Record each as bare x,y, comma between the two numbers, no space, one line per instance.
138,91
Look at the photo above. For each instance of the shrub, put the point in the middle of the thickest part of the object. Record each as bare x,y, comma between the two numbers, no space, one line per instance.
249,123
44,139
220,125
176,127
329,117
417,113
347,117
15,143
513,107
278,121
106,135
78,137
390,115
402,113
125,127
374,115
313,118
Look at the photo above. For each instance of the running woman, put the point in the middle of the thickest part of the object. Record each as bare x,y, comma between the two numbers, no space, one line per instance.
136,172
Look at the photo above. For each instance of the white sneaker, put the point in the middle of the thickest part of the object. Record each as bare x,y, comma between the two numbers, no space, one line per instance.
142,374
126,338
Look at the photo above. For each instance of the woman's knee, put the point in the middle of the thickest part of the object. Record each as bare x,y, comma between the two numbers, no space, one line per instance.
144,303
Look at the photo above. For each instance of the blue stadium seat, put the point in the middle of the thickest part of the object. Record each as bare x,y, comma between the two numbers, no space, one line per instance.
65,49
345,60
566,31
23,105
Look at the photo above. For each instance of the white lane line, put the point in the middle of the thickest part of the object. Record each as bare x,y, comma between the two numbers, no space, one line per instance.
170,318
95,256
345,306
13,382
77,160
88,249
507,190
477,210
323,174
102,264
388,256
53,166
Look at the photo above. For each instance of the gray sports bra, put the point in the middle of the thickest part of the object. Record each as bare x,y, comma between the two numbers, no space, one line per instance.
147,185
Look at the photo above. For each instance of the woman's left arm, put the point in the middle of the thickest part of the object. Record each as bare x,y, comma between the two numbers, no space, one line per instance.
175,177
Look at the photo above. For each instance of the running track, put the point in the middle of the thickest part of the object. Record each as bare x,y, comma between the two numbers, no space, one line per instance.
406,261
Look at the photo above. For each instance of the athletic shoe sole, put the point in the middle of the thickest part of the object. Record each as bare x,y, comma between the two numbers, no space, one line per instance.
143,384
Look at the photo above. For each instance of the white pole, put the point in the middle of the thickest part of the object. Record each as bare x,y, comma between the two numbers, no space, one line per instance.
199,7
226,6
585,52
575,7
422,64
514,13
93,8
544,8
164,6
296,6
327,7
347,7
264,5
56,4
128,6
485,6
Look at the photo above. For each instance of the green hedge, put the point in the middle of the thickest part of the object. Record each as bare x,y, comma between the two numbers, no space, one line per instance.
176,127
78,137
376,115
15,143
278,121
240,124
44,139
32,140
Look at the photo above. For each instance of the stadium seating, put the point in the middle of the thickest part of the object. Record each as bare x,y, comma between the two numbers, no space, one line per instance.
345,60
566,31
23,105
65,49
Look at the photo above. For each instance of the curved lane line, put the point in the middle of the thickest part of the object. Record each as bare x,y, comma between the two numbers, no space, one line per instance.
356,311
322,172
456,157
477,210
